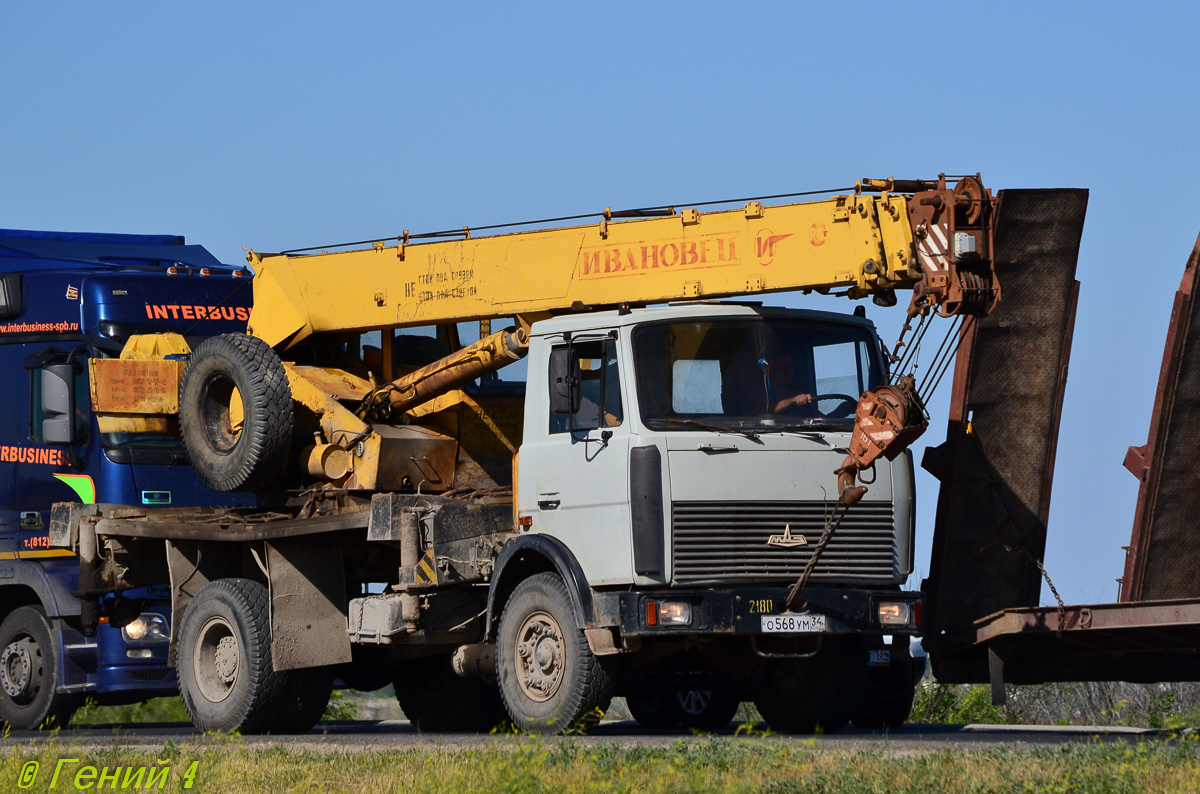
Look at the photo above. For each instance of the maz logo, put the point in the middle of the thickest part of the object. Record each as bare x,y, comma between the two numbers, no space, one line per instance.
787,540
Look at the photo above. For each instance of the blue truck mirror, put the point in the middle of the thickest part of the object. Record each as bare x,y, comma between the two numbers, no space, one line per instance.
58,401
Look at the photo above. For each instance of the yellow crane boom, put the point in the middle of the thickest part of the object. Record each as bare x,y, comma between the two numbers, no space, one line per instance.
858,244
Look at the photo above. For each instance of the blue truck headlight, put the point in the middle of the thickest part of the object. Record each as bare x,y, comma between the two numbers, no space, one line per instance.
147,627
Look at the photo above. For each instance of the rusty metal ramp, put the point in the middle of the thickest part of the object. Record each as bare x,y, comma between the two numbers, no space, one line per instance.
1144,642
997,462
1164,552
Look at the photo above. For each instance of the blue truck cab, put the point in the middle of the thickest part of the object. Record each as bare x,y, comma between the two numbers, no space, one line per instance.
64,298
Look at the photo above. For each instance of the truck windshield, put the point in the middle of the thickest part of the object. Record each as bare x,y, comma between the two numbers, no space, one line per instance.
755,374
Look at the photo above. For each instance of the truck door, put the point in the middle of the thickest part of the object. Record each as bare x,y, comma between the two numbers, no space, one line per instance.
579,459
11,404
56,457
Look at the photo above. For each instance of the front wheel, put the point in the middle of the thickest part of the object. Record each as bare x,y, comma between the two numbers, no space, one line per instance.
888,696
29,674
888,712
549,679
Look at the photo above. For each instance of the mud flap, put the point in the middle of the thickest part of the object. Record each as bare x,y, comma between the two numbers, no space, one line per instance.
997,462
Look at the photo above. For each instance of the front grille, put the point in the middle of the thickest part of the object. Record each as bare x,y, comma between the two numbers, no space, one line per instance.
727,541
148,675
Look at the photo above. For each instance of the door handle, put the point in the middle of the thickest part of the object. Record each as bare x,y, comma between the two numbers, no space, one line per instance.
716,448
548,504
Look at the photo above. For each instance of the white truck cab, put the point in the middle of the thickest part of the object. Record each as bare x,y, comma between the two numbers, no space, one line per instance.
701,445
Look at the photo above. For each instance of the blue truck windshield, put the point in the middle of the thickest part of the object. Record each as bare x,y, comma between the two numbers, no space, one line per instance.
754,374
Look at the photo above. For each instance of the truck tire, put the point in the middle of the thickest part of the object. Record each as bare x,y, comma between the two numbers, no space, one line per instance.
29,674
655,711
549,679
702,709
225,673
706,710
888,696
437,700
815,694
888,711
305,696
235,413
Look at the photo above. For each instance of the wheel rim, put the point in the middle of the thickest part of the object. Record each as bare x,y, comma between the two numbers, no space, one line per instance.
222,413
21,670
217,659
694,701
540,656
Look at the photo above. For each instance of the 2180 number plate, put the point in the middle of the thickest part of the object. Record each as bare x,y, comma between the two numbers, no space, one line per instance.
793,624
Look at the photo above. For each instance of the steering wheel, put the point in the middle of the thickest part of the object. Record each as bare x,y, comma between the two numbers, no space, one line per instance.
842,409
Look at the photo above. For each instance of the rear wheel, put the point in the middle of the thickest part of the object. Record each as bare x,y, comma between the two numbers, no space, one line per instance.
305,697
235,412
816,694
29,674
437,700
225,673
550,680
705,709
655,711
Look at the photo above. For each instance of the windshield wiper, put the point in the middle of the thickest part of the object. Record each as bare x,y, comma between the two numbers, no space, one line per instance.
710,426
810,431
814,427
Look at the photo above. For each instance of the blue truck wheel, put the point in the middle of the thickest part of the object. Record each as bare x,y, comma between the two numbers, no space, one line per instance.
29,674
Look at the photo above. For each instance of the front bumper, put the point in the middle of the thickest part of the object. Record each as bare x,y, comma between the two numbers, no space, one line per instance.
739,611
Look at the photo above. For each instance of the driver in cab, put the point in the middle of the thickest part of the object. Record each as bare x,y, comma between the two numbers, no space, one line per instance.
778,393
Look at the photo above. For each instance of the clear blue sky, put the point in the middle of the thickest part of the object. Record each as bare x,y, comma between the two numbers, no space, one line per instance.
278,125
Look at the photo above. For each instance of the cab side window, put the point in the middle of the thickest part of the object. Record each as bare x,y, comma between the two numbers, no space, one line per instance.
593,365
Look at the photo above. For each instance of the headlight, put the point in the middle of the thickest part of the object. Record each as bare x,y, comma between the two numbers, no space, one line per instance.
674,613
147,627
895,613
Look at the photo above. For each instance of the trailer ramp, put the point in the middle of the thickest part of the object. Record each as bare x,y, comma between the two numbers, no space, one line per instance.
997,462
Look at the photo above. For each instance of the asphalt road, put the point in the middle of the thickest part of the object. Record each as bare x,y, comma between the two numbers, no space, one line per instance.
377,735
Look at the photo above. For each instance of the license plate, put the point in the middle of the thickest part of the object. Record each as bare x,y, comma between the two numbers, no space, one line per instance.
793,624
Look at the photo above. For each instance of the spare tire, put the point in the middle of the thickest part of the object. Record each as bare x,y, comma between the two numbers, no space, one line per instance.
235,412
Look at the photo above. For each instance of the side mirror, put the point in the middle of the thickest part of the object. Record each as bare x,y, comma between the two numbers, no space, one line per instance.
564,381
58,403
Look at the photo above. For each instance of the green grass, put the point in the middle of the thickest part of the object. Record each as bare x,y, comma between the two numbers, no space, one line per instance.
170,709
165,709
522,764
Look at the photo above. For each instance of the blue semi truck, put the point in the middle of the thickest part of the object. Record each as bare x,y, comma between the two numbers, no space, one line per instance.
64,299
